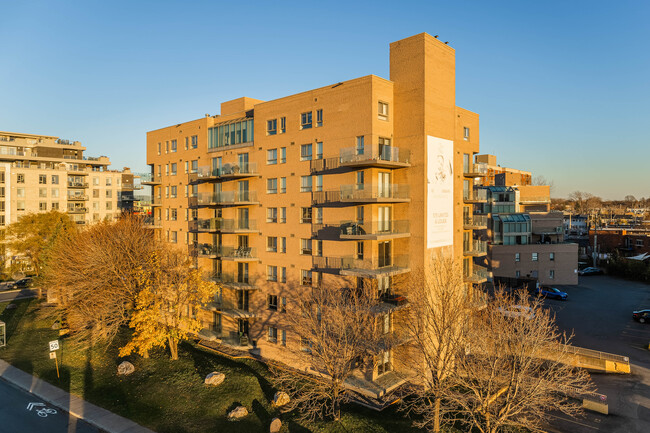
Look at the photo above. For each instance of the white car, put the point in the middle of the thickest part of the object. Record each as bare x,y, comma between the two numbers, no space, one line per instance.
517,311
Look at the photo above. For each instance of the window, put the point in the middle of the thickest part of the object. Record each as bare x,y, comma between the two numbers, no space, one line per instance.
42,192
187,167
173,145
96,205
283,245
382,110
109,193
517,274
20,178
283,155
386,323
55,179
305,344
360,146
159,148
639,242
42,179
283,125
466,133
187,143
166,169
305,247
283,214
517,258
272,244
273,299
551,257
195,141
283,279
551,274
272,156
272,185
20,192
305,279
305,183
174,165
174,235
195,166
319,117
360,214
42,206
359,251
174,190
318,218
272,127
319,248
319,150
305,152
173,215
534,257
273,334
272,275
272,215
360,179
109,205
2,192
20,205
283,185
319,182
305,120
109,181
284,337
305,216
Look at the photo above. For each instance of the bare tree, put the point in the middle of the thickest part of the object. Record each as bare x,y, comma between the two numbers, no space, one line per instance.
94,276
541,180
165,308
338,334
438,309
516,368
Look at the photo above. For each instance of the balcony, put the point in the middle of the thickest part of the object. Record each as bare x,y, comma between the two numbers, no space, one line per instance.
77,210
77,197
155,180
375,230
476,170
535,200
225,198
220,225
475,222
226,172
236,254
152,223
367,268
475,196
323,165
77,184
232,281
478,275
475,248
352,194
375,156
156,201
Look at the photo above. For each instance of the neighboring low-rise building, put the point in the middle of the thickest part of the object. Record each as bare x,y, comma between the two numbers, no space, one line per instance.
501,176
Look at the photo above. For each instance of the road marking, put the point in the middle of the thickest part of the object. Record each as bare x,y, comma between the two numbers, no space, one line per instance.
573,421
43,412
31,406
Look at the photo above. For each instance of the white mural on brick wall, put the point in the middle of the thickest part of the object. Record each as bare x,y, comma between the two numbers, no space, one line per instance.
440,192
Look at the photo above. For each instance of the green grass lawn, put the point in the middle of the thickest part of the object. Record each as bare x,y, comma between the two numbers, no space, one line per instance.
167,396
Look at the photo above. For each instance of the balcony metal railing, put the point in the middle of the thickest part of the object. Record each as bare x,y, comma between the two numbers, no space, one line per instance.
225,171
77,210
475,170
77,184
477,195
222,225
224,198
478,275
230,280
392,193
77,197
475,248
534,199
224,252
475,221
375,155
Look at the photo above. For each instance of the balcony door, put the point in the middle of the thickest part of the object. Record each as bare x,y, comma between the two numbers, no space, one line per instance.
242,299
383,219
243,162
242,218
243,190
383,185
242,273
384,250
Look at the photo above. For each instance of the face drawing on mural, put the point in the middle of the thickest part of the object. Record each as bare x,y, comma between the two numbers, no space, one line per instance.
443,168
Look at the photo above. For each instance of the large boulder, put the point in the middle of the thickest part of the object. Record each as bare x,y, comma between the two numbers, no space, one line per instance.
125,368
215,378
238,413
276,425
280,399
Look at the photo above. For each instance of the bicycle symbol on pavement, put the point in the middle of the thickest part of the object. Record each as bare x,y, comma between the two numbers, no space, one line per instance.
43,412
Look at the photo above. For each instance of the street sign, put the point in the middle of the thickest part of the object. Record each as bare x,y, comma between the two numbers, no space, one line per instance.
52,355
54,345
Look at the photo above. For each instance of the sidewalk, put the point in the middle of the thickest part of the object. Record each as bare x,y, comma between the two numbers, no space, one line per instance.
94,415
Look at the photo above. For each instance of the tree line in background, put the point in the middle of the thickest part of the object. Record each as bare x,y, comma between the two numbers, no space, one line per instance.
585,203
468,360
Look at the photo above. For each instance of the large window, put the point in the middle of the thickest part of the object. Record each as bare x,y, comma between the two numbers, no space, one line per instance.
305,216
382,110
319,117
305,152
230,134
272,127
305,184
272,185
305,120
272,156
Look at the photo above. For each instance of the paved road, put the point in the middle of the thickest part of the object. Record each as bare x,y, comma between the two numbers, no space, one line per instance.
10,295
599,313
16,418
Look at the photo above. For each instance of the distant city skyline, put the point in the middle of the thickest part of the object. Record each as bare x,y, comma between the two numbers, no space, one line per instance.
561,87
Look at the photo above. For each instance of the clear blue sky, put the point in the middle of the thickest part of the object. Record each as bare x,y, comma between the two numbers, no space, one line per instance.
562,87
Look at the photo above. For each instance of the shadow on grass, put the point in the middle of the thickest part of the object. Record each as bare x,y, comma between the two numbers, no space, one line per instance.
13,317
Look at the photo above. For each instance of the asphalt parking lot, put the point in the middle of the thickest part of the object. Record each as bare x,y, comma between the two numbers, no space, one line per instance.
599,314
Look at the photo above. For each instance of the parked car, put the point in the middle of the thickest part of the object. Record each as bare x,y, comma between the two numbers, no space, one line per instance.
590,271
641,316
517,311
22,283
552,292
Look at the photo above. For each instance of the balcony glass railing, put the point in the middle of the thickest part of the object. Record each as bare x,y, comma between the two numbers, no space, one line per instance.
478,274
227,170
479,169
364,193
374,153
475,220
224,198
223,225
475,195
225,252
352,263
374,228
475,247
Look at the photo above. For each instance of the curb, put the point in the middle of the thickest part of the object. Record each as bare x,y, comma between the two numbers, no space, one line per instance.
94,415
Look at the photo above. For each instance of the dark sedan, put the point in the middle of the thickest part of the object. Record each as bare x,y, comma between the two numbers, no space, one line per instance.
553,293
641,316
590,271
